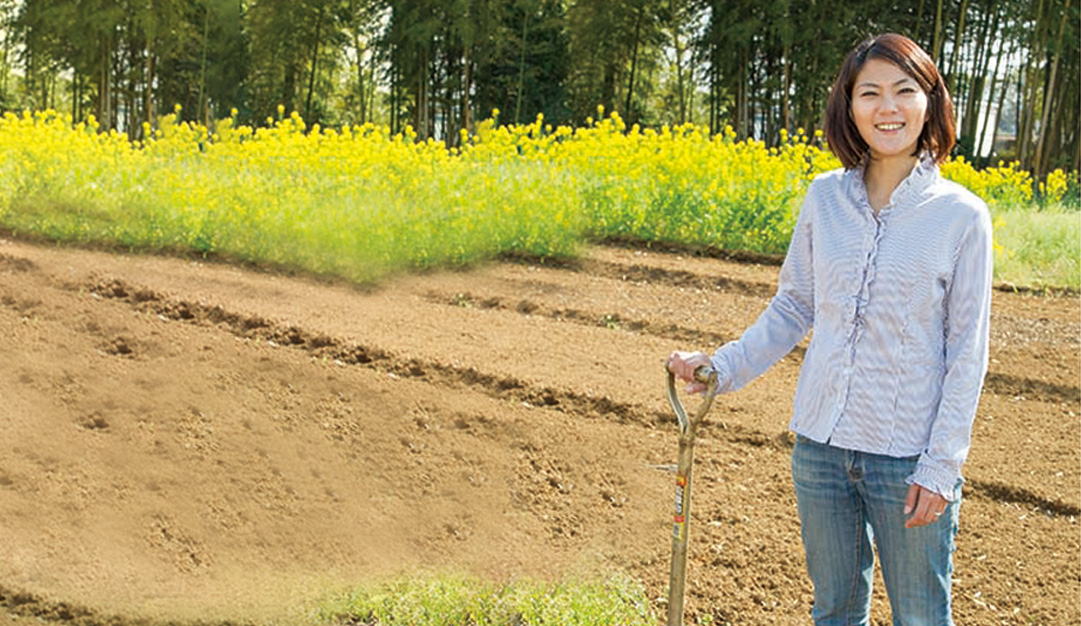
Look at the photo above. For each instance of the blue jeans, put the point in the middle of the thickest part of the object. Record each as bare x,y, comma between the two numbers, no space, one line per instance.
846,501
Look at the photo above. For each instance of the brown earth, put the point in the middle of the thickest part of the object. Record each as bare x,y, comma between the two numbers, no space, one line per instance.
188,440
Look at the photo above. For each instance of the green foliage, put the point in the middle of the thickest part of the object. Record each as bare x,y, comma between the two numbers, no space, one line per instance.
523,66
1038,249
465,601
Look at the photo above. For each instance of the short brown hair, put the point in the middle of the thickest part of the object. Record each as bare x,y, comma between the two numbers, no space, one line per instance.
938,136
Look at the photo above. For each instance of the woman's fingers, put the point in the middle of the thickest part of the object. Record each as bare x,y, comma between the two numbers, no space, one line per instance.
925,506
684,364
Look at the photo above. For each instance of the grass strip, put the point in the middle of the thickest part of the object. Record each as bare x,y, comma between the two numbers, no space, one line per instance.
467,601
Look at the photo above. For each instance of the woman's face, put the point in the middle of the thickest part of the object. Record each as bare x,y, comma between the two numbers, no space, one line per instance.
889,109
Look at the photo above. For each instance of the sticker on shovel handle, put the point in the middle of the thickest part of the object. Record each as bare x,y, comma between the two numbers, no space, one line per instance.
679,524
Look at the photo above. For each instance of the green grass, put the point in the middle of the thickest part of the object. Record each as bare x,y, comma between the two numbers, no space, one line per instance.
465,601
1038,249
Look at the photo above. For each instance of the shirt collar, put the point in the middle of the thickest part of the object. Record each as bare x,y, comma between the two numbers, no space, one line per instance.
920,178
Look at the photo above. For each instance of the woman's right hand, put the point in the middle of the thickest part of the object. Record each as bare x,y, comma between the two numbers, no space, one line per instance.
684,364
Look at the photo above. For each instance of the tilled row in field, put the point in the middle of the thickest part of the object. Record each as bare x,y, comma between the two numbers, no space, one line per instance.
509,388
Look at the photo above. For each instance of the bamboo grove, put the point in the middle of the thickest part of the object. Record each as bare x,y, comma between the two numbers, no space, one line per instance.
441,66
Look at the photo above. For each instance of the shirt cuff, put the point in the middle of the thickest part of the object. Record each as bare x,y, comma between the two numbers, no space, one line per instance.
942,480
725,378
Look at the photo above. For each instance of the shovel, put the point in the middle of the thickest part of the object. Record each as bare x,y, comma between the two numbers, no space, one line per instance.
682,518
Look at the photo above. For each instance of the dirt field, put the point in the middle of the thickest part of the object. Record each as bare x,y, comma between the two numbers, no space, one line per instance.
196,441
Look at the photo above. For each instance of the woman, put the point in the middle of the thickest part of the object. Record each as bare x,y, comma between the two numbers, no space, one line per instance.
891,265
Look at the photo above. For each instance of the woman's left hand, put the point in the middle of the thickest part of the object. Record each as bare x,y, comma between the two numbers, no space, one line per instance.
924,505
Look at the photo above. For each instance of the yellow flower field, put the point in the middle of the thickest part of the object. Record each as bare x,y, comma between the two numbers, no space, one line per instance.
360,203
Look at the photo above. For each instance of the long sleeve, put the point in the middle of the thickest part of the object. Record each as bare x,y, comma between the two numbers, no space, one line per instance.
968,314
784,322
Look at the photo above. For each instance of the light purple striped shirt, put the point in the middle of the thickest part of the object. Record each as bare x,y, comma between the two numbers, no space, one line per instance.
900,304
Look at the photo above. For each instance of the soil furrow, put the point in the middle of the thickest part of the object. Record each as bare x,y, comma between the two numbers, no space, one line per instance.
27,605
513,389
1029,333
985,489
996,382
324,347
675,278
30,606
1008,385
1009,494
614,321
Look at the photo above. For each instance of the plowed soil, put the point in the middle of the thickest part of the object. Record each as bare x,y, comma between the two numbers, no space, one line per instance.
190,440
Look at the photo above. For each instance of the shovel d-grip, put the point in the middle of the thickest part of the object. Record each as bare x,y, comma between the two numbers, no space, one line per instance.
687,427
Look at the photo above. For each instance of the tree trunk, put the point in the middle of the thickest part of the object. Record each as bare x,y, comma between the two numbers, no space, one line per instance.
1031,96
289,87
1077,144
679,51
608,85
104,105
958,46
4,54
421,115
74,94
936,48
452,58
28,73
521,68
431,93
117,88
315,64
395,89
634,61
919,23
202,74
467,122
150,68
742,107
689,116
361,98
1040,164
132,115
786,121
981,135
1018,99
714,88
978,83
1056,143
369,108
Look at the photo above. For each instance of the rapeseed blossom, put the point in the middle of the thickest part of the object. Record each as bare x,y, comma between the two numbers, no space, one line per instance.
361,202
